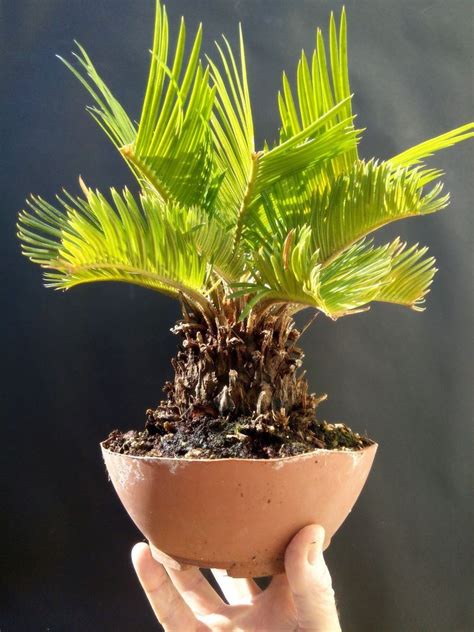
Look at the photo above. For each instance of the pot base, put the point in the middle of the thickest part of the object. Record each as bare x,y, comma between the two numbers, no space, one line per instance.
233,569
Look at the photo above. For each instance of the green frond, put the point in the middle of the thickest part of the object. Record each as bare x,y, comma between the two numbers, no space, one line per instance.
287,272
247,173
320,85
354,278
214,241
172,149
293,274
291,160
347,273
283,225
311,147
232,129
368,197
416,154
391,273
85,240
321,112
410,277
107,112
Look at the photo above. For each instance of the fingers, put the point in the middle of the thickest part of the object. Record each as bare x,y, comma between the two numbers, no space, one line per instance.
170,609
310,581
196,591
236,591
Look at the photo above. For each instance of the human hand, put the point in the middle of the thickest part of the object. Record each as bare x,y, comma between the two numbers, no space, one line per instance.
300,599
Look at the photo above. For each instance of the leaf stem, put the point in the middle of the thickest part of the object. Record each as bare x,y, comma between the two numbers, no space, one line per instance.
247,198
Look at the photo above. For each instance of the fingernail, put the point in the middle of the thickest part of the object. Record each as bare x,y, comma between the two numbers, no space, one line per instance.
314,549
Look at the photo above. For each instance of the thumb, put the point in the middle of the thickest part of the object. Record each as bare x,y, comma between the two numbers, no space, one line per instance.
310,581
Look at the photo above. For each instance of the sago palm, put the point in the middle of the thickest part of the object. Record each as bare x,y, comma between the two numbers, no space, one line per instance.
243,237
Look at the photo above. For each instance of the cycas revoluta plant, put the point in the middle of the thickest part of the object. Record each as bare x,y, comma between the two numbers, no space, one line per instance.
243,237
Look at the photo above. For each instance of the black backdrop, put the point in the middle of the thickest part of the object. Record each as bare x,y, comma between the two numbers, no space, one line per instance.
79,364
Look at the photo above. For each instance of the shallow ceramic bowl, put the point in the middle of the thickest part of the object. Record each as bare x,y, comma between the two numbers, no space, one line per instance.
236,514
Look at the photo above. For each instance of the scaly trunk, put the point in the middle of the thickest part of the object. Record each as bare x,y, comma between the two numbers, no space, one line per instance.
237,369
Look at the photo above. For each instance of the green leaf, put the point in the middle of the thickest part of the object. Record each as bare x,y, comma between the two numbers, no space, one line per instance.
355,204
354,278
311,147
410,278
369,197
107,112
285,272
280,228
172,149
391,273
416,154
321,111
214,241
232,129
148,243
292,273
319,88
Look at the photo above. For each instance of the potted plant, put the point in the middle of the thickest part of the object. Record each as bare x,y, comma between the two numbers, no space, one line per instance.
232,462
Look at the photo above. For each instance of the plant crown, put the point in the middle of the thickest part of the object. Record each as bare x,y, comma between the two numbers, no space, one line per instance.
217,220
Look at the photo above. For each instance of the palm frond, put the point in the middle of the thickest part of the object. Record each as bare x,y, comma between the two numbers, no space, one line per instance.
283,273
354,278
318,139
150,243
319,88
291,160
107,112
313,147
293,274
232,126
287,224
364,273
172,147
321,83
214,241
247,173
410,278
368,197
416,154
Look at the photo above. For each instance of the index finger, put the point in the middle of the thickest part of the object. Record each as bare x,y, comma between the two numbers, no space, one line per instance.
171,610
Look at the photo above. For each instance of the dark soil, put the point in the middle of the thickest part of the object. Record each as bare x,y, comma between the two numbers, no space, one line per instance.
208,437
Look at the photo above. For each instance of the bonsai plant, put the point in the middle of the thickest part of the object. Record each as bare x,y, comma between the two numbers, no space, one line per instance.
244,239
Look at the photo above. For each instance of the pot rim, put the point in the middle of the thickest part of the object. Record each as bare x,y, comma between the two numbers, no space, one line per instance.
273,460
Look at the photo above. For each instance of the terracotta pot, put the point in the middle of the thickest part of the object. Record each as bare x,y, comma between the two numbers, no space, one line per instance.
236,514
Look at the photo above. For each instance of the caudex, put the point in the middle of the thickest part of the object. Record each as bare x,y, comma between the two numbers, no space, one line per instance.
243,238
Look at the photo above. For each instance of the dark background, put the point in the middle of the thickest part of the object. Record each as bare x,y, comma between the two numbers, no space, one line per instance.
79,364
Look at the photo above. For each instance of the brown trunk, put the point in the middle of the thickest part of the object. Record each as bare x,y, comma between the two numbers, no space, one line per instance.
238,369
